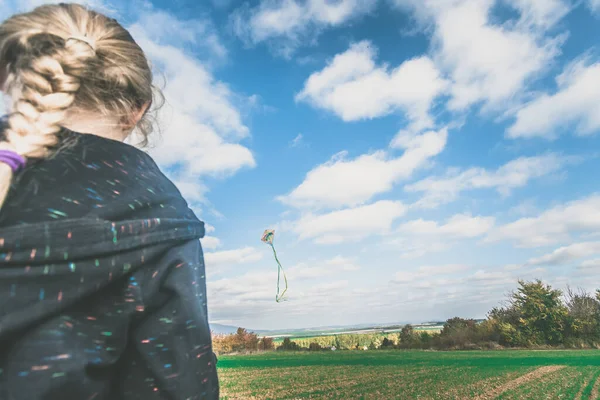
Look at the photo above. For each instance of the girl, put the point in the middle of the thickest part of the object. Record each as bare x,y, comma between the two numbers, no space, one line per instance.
102,288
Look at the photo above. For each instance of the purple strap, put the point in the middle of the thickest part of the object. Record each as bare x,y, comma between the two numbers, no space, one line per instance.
14,160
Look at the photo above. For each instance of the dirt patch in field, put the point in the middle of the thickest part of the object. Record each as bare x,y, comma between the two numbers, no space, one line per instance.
596,390
579,395
533,375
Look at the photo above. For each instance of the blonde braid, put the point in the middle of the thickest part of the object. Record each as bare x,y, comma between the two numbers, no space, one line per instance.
41,93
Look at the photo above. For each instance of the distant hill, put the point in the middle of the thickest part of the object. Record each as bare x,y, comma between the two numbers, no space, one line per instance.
220,329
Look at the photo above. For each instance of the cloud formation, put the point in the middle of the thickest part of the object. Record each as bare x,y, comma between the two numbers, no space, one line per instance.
558,224
575,105
354,87
567,254
342,182
289,24
351,224
514,174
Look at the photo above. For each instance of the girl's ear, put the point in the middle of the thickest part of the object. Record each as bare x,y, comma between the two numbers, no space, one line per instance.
136,117
141,112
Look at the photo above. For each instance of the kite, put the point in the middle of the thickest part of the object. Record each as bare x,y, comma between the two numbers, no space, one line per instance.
268,238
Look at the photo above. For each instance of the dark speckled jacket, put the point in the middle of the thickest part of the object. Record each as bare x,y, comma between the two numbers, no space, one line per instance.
102,285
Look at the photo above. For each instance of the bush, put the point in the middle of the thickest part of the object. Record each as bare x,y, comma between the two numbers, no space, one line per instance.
386,343
459,333
288,345
266,344
409,339
426,340
241,341
314,347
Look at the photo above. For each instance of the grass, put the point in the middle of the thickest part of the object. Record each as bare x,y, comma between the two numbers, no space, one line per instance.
410,375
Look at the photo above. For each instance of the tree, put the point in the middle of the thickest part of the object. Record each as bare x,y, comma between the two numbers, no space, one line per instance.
375,343
288,345
542,315
426,340
239,339
407,333
458,332
457,323
244,340
584,311
502,322
266,343
314,347
408,337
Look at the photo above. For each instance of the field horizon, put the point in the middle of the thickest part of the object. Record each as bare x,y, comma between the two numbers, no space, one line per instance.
223,329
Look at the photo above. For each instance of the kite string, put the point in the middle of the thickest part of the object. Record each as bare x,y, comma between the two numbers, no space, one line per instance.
280,270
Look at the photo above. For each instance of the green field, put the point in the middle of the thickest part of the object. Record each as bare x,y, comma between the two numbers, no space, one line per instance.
412,375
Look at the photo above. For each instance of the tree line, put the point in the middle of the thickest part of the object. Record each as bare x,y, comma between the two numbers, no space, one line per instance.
535,315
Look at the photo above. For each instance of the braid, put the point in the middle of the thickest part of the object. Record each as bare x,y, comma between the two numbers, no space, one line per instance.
41,94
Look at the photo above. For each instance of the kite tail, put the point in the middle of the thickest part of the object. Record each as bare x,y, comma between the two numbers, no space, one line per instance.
279,297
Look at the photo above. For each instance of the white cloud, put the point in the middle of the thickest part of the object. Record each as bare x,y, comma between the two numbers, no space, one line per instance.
288,24
455,281
342,182
413,247
199,33
552,226
483,277
209,228
331,286
230,257
353,87
541,13
566,254
192,189
210,242
458,226
576,104
191,87
488,63
336,266
351,224
514,174
260,285
442,269
428,272
343,263
590,265
417,238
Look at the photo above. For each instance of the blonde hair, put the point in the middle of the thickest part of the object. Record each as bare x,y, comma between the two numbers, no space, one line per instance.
65,57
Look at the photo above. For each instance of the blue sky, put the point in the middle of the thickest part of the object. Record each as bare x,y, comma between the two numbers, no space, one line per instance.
415,157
